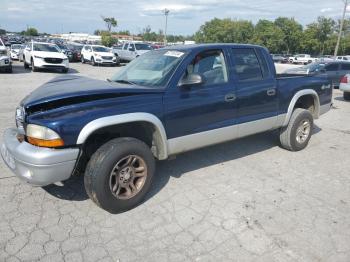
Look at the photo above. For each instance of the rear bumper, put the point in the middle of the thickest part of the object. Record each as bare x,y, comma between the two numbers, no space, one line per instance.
36,165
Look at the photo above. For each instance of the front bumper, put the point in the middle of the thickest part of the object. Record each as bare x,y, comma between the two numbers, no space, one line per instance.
37,165
106,61
40,63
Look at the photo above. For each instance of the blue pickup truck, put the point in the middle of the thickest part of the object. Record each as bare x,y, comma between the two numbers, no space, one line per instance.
163,103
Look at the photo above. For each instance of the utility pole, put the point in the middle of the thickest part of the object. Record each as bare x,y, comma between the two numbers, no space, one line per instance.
166,13
341,28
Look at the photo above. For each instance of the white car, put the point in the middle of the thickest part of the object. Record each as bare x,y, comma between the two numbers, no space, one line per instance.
5,60
302,59
345,86
343,58
98,55
14,51
131,50
44,55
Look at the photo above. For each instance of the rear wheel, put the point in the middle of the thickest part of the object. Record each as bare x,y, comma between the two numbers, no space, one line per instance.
296,135
346,96
119,174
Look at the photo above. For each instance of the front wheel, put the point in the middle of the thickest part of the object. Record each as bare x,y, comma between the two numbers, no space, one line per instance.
296,135
93,62
34,69
346,96
82,59
119,174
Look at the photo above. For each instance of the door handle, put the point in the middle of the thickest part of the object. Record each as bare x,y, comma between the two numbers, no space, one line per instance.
230,97
271,92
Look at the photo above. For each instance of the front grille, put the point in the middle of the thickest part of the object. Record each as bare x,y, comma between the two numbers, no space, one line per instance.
53,60
107,57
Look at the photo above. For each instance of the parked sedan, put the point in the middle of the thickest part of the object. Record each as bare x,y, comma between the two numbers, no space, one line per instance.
76,51
14,51
345,86
334,70
307,69
279,58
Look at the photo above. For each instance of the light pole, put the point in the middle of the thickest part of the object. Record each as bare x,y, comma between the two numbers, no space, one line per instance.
341,28
166,13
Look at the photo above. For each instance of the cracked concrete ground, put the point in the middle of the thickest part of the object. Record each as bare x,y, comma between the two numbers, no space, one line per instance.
247,200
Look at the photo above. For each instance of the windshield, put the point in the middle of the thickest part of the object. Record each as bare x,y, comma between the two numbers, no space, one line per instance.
16,47
143,47
152,69
313,67
100,49
46,48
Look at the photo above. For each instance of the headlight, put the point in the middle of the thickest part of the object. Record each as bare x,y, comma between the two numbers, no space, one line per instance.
43,136
38,57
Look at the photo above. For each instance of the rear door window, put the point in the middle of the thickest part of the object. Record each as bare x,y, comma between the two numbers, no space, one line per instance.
247,66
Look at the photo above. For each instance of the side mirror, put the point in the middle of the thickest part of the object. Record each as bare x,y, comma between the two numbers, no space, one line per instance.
190,80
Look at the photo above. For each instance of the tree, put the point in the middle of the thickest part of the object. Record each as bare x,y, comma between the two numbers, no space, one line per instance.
269,35
107,39
31,31
225,31
292,33
110,22
2,31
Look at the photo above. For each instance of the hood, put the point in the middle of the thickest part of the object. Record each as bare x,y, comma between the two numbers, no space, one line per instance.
68,90
49,54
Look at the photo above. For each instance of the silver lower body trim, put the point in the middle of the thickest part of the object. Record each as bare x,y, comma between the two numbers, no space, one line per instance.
216,136
35,165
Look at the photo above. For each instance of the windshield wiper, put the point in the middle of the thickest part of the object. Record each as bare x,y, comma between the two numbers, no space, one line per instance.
124,82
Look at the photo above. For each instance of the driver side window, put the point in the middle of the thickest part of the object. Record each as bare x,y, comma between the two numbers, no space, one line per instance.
211,66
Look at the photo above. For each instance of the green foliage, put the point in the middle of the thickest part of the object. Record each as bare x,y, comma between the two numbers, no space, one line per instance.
110,22
284,35
107,39
2,31
31,31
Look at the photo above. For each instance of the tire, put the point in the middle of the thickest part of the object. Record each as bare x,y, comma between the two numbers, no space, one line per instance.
82,59
25,65
346,96
34,69
99,179
301,122
65,70
93,61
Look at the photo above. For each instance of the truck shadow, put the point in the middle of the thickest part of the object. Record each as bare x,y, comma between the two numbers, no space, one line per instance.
73,189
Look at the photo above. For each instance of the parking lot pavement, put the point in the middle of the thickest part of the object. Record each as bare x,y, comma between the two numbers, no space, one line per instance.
247,200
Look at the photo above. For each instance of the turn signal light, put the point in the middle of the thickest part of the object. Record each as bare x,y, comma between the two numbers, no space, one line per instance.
45,143
344,80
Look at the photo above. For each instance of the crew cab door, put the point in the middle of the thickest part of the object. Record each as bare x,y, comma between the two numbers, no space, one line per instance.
256,90
333,73
193,114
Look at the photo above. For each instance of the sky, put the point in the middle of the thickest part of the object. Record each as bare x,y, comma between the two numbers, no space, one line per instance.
185,17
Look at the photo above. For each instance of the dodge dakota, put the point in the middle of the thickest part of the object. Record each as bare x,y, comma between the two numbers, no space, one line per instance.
163,103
